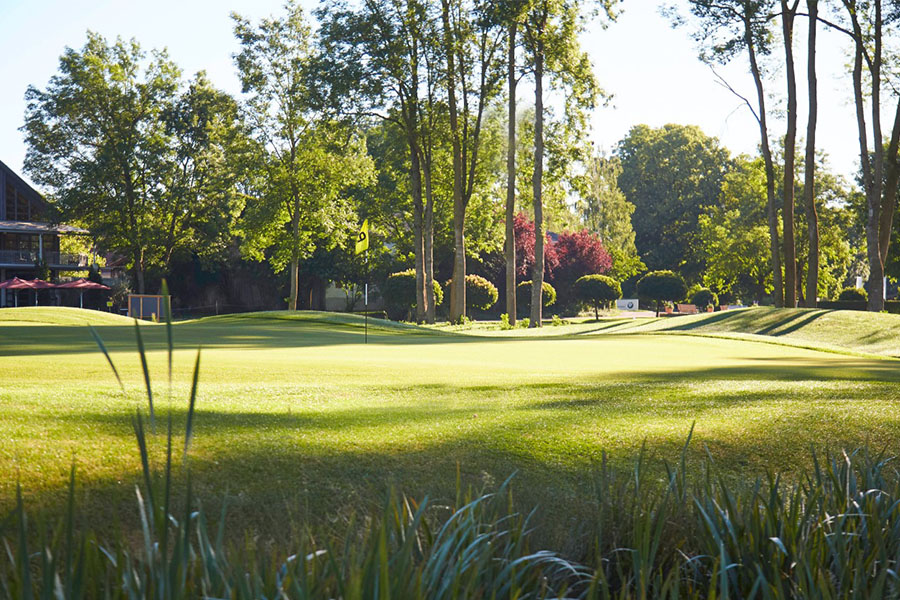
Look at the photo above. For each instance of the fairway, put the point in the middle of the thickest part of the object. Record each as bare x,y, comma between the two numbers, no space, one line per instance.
296,416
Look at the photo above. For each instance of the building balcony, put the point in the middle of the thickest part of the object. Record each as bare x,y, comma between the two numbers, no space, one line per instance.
29,258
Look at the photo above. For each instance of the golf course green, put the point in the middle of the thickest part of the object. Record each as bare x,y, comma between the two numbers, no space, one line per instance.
297,421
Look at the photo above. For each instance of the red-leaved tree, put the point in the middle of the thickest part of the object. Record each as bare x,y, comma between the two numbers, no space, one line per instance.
572,255
524,232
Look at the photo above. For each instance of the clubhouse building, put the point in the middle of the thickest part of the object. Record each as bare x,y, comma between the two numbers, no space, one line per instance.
27,238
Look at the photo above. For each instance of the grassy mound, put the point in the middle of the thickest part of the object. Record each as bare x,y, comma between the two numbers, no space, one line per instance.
59,315
846,330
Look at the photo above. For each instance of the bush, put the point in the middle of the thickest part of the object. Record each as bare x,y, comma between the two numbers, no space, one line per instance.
523,296
400,295
661,286
850,294
596,289
704,297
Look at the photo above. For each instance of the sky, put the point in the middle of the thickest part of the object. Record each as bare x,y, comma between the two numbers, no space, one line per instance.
650,69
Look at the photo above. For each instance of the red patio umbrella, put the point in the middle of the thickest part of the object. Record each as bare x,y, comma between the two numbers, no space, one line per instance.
24,284
81,285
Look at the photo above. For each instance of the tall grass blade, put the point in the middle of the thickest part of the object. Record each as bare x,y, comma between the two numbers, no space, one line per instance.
103,349
146,371
189,429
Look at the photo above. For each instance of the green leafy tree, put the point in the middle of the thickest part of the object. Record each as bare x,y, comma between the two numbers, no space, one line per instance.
662,286
604,210
379,59
308,160
595,290
726,29
550,31
671,174
97,140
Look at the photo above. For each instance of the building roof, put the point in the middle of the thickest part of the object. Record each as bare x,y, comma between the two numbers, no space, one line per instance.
33,227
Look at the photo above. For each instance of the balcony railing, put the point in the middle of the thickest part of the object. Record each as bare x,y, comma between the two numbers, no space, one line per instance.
53,259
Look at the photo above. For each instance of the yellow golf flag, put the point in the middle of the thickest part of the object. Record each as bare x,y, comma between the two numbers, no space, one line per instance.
362,238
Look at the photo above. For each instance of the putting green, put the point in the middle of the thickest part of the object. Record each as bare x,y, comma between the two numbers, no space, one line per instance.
295,416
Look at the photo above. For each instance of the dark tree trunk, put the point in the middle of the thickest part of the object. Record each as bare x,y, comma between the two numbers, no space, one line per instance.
295,255
415,176
537,272
429,244
458,284
790,140
771,206
511,182
809,187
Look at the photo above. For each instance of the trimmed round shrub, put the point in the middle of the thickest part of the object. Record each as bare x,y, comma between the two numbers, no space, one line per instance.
853,295
662,286
400,294
594,290
704,297
481,294
523,295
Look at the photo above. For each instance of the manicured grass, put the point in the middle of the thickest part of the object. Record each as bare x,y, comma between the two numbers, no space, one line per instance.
301,423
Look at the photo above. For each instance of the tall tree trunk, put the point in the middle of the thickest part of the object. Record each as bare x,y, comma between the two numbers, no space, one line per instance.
139,270
771,200
511,181
430,311
809,183
415,176
458,285
790,140
891,184
537,272
295,255
871,166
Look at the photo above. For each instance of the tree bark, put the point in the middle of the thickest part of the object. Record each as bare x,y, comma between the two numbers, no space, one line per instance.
415,177
430,310
295,255
458,284
809,183
790,140
139,270
511,182
537,272
771,201
870,166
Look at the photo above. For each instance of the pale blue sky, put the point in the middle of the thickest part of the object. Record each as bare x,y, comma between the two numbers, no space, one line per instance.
651,69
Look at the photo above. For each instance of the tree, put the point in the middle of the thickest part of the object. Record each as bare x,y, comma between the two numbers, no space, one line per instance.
662,286
376,60
605,211
550,36
309,160
879,167
788,13
596,289
578,253
671,174
210,151
728,27
97,140
472,51
525,244
809,181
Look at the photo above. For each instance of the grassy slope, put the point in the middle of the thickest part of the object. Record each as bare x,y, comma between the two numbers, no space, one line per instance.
297,416
846,330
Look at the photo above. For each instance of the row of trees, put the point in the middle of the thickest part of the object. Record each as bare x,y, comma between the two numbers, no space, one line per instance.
732,28
393,96
404,112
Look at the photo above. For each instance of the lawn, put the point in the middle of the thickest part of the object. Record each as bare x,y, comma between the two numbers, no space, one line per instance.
299,422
